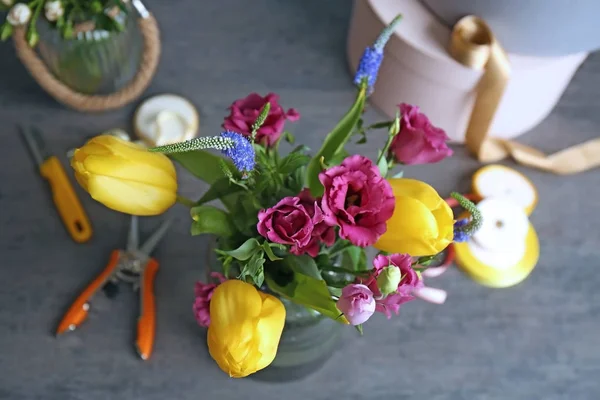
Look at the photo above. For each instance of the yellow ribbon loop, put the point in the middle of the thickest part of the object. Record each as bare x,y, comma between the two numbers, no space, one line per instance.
473,44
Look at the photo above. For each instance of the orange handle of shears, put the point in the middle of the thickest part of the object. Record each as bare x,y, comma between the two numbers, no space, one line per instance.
66,201
79,309
146,325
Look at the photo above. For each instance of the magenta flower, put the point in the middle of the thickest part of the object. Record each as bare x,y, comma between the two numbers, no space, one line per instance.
418,142
409,282
289,222
356,303
243,114
357,199
322,233
204,292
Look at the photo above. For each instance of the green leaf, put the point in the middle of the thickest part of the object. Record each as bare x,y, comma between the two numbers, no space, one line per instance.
5,31
355,259
269,252
304,265
383,166
208,219
292,162
202,164
220,189
335,140
338,157
288,137
335,291
244,252
359,328
254,269
309,292
398,175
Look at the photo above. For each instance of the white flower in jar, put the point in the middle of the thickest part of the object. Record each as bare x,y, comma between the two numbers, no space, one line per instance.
19,14
53,10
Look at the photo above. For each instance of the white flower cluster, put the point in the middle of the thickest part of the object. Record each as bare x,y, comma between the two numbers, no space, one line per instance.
19,14
53,10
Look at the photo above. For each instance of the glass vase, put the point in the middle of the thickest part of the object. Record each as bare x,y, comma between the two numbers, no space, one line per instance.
308,340
94,62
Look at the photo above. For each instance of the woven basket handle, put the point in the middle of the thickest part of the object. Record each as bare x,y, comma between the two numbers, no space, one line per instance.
96,103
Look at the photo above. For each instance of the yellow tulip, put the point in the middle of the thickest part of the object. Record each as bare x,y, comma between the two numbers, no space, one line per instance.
124,176
422,223
245,328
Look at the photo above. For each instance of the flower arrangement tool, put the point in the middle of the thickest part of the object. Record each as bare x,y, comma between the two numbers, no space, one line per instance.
133,265
65,199
294,228
21,26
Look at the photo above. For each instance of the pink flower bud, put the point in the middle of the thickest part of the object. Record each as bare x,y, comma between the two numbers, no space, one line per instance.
357,303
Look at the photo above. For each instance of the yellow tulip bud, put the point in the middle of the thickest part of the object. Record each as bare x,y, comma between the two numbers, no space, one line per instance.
125,176
422,223
245,328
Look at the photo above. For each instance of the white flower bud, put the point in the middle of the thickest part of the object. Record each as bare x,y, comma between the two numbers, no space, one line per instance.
53,10
20,14
7,3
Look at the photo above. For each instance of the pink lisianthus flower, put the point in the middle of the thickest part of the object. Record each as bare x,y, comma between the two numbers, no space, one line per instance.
418,141
289,222
357,199
356,303
243,114
203,293
322,233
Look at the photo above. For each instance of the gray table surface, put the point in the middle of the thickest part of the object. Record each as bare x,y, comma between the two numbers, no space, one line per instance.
538,340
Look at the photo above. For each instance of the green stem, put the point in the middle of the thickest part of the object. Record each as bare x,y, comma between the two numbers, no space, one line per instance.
386,148
185,201
343,270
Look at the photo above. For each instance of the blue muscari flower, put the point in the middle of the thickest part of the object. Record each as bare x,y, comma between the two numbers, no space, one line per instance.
242,152
459,234
369,64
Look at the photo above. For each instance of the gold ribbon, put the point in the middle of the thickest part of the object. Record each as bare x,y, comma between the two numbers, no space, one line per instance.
473,44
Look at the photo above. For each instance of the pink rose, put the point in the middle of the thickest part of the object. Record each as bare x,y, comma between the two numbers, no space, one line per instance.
357,303
245,111
204,292
418,142
289,222
322,233
357,199
409,283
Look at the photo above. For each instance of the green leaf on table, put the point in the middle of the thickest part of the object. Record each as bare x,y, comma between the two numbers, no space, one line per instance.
334,141
304,265
221,188
212,220
254,269
354,258
244,252
309,292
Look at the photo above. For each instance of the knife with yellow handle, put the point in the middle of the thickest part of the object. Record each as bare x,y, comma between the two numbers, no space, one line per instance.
65,199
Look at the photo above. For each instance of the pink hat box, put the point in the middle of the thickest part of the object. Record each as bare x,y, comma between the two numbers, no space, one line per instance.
417,69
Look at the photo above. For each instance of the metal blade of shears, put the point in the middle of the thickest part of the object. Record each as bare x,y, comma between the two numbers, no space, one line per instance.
153,240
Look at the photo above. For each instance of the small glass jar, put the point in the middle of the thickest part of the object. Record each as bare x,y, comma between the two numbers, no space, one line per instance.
308,340
94,62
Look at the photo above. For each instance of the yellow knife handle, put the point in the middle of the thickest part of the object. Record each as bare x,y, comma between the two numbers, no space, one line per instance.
67,203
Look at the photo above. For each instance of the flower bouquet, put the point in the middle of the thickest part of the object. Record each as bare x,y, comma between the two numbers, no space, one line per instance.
288,222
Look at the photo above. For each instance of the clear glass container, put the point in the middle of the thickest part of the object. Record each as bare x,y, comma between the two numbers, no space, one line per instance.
308,340
94,62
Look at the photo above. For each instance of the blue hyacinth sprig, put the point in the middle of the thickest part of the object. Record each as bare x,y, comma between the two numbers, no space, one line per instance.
370,62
